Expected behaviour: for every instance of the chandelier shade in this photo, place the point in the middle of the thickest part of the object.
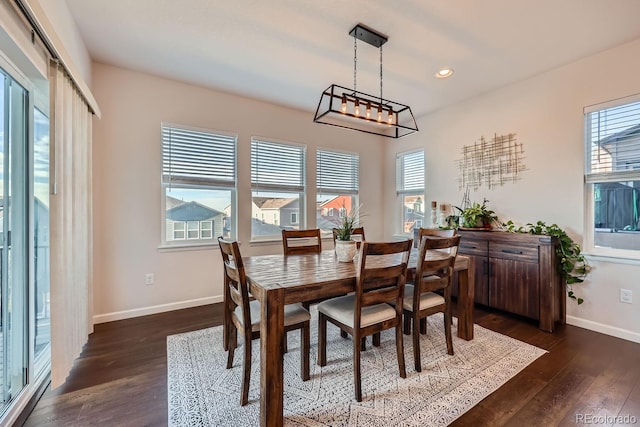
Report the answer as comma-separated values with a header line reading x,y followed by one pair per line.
x,y
350,109
347,108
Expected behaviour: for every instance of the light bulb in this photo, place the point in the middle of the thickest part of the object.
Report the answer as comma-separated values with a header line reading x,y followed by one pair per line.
x,y
357,109
390,117
344,104
380,113
368,110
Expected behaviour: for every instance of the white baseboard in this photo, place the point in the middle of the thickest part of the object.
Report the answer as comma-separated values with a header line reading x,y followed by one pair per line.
x,y
625,334
126,314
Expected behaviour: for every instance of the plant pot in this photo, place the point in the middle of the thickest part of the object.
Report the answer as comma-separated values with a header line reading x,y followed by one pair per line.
x,y
346,250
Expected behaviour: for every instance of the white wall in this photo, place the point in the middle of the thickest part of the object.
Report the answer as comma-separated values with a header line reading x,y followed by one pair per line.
x,y
546,113
127,190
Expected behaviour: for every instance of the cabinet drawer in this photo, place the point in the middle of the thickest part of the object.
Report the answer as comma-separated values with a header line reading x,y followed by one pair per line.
x,y
514,252
473,247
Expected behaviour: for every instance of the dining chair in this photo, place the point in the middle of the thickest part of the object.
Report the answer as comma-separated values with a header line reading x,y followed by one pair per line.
x,y
301,241
244,315
436,232
434,271
380,280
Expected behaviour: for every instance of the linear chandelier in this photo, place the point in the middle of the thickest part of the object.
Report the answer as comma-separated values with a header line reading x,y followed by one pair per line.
x,y
350,109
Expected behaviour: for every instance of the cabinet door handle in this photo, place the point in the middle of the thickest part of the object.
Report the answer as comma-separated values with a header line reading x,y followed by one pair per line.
x,y
490,265
485,268
512,251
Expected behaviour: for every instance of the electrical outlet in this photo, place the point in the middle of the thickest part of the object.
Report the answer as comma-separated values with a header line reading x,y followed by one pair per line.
x,y
148,279
626,296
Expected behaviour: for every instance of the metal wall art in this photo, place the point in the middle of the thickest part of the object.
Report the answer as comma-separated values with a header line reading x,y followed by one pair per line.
x,y
491,162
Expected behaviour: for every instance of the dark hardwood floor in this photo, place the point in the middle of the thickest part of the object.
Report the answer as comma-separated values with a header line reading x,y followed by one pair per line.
x,y
120,378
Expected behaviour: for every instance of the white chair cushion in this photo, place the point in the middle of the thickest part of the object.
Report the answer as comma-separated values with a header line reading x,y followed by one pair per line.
x,y
427,299
293,313
342,308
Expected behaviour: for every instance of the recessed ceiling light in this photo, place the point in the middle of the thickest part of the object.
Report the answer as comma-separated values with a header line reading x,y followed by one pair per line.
x,y
444,73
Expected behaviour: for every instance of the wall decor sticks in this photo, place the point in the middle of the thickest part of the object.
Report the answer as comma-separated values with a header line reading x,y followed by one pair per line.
x,y
491,162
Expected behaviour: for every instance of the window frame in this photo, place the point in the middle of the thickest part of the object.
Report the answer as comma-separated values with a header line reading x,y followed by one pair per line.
x,y
219,182
415,187
263,180
337,175
593,178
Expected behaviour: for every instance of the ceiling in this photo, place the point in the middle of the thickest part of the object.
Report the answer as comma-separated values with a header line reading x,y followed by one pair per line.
x,y
288,51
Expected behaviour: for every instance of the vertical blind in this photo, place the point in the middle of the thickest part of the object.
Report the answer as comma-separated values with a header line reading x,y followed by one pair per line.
x,y
198,157
337,172
277,166
410,172
613,143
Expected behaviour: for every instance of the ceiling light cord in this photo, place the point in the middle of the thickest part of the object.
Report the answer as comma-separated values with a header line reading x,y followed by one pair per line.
x,y
355,61
381,74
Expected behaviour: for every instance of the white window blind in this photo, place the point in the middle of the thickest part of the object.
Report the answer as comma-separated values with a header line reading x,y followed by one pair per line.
x,y
277,166
337,172
613,144
410,172
198,157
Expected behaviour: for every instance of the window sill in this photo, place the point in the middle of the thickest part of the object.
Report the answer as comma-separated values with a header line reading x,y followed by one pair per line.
x,y
188,247
613,258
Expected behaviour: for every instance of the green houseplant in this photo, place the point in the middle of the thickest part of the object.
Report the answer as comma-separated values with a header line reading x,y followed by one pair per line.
x,y
345,247
572,264
477,216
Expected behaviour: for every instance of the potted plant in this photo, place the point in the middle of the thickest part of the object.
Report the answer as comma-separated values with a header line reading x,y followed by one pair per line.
x,y
477,216
573,266
346,248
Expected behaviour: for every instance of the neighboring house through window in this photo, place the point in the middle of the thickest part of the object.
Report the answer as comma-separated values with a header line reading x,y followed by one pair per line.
x,y
198,184
277,187
337,187
410,189
612,178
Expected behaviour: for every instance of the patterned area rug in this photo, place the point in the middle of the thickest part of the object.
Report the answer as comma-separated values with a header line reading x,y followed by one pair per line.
x,y
203,393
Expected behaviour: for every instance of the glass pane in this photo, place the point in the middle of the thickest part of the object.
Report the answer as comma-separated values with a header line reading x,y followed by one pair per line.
x,y
193,206
412,212
330,208
272,212
41,232
616,215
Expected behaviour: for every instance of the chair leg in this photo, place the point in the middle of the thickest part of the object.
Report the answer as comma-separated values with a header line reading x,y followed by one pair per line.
x,y
356,367
423,326
400,349
343,334
363,344
305,340
246,374
447,329
285,347
416,345
407,323
232,343
376,339
306,305
322,339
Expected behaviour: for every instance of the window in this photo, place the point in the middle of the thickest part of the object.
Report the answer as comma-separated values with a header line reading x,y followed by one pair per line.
x,y
612,178
410,189
294,217
198,184
337,186
277,187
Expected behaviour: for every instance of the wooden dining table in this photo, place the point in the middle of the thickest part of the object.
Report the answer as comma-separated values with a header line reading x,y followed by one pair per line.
x,y
277,280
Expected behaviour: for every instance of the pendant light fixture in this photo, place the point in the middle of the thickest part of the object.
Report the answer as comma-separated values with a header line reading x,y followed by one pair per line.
x,y
350,109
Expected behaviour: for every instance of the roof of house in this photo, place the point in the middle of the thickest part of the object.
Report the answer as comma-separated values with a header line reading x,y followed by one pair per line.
x,y
272,202
623,135
192,211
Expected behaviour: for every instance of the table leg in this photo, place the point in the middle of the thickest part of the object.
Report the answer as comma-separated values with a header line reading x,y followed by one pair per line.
x,y
271,364
466,295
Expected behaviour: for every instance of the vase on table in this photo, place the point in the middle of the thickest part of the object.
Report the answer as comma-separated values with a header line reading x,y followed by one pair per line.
x,y
346,250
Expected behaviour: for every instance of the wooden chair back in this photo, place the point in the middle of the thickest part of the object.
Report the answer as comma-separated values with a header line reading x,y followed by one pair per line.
x,y
301,241
436,259
381,274
236,291
434,232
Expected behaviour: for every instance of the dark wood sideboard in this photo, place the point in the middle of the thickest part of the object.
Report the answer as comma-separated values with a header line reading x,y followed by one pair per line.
x,y
518,273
